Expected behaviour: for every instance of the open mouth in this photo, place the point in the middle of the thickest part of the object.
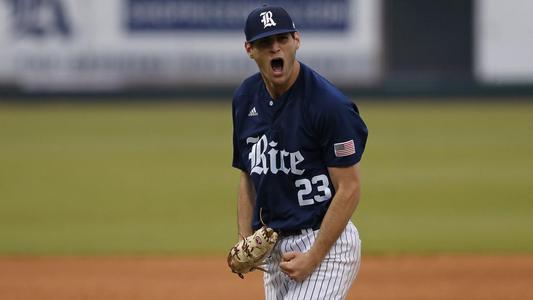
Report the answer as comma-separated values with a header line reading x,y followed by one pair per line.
x,y
277,66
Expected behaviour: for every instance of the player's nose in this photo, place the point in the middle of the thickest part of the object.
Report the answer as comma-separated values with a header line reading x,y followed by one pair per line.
x,y
275,46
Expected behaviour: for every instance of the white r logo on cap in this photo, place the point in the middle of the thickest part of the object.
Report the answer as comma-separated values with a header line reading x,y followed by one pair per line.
x,y
267,19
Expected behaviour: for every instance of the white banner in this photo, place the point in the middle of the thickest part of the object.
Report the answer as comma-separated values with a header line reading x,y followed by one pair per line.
x,y
115,44
504,41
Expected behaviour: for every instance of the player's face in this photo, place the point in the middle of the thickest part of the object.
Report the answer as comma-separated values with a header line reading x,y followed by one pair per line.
x,y
276,58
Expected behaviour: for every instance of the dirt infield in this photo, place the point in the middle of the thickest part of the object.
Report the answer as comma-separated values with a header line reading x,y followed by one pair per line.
x,y
404,277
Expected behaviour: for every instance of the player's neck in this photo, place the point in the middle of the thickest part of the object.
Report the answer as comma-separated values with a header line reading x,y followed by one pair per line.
x,y
276,90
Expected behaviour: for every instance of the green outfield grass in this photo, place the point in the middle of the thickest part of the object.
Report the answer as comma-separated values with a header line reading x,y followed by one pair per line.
x,y
157,179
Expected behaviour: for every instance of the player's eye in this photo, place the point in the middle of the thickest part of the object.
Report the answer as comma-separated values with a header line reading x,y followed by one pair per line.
x,y
263,43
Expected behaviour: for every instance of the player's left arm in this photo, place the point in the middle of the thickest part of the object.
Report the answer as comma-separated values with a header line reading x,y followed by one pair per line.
x,y
346,181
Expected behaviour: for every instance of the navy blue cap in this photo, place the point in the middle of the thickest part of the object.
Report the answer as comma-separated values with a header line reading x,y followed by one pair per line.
x,y
266,21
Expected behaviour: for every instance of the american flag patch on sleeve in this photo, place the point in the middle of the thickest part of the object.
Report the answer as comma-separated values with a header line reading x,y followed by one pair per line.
x,y
344,149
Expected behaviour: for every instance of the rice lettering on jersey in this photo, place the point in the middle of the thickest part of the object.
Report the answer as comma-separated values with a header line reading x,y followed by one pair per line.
x,y
262,161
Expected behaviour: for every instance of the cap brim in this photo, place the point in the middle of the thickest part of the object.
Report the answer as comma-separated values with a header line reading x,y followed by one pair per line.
x,y
269,33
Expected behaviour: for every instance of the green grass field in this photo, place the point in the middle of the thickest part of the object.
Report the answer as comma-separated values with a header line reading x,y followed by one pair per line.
x,y
157,179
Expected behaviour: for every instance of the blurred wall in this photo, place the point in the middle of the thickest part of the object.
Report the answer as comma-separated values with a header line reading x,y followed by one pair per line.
x,y
120,44
428,41
153,45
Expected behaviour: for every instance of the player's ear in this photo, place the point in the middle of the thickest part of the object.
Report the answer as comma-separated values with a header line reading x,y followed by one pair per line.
x,y
296,36
248,48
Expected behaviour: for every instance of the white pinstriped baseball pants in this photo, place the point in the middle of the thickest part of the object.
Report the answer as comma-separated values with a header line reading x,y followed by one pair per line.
x,y
331,279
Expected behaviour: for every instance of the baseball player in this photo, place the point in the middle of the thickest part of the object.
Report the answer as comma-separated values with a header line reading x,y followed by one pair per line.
x,y
297,141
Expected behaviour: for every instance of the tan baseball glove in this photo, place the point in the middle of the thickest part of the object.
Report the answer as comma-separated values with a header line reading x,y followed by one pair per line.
x,y
249,253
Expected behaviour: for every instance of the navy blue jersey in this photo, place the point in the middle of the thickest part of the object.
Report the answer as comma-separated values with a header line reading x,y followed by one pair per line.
x,y
287,144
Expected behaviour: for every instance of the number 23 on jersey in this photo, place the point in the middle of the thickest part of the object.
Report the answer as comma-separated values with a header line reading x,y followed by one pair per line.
x,y
306,186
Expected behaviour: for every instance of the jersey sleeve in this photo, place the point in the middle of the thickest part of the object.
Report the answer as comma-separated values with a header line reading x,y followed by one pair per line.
x,y
237,160
342,134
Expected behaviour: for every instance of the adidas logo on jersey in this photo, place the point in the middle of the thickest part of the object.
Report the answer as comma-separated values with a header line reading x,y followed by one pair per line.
x,y
252,112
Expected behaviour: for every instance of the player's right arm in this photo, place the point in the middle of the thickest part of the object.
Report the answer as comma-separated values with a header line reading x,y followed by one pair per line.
x,y
245,205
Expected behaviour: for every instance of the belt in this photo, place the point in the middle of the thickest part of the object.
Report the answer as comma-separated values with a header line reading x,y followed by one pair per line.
x,y
289,232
